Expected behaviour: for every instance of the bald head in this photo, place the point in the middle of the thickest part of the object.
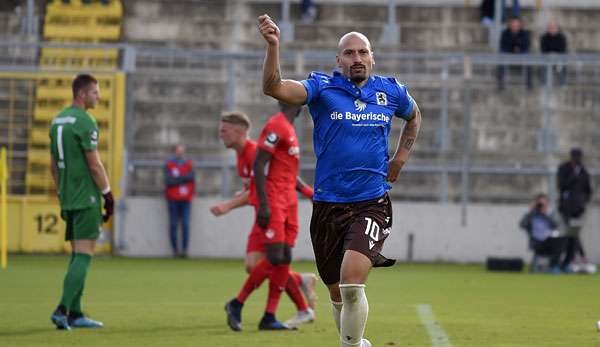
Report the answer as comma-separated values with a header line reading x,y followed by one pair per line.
x,y
353,35
355,57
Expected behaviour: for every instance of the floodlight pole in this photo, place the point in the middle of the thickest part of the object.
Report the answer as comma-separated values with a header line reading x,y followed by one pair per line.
x,y
443,130
30,17
497,27
286,27
466,158
391,31
548,134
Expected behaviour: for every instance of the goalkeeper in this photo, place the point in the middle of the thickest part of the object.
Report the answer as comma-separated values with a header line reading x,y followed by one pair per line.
x,y
80,180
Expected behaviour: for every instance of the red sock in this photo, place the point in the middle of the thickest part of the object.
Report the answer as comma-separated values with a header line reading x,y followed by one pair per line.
x,y
277,282
260,272
292,289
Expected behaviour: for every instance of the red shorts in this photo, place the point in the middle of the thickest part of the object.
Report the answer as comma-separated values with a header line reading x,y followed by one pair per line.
x,y
255,243
282,228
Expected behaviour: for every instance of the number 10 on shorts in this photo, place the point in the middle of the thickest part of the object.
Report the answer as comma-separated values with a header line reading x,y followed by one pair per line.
x,y
372,229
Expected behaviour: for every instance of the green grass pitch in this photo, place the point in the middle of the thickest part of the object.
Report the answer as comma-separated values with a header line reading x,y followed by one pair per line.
x,y
168,302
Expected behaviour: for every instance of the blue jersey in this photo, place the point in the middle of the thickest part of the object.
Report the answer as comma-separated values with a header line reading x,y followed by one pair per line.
x,y
351,128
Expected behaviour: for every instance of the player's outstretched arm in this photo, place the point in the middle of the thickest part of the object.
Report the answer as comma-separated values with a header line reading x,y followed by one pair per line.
x,y
407,140
288,91
263,215
238,200
304,188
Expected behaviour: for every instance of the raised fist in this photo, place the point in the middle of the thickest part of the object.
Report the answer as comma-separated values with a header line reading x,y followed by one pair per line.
x,y
268,29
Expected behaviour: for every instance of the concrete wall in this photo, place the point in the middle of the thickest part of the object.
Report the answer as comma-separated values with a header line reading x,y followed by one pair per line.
x,y
491,231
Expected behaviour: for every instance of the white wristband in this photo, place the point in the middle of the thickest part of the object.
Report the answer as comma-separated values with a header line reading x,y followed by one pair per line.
x,y
106,191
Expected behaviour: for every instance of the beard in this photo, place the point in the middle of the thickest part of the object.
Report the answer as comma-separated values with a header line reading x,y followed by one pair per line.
x,y
358,78
359,75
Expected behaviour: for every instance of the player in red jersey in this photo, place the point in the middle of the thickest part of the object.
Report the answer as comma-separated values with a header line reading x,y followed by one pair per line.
x,y
234,133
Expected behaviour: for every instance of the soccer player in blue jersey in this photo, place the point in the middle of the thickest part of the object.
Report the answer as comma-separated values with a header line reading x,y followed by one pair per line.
x,y
352,111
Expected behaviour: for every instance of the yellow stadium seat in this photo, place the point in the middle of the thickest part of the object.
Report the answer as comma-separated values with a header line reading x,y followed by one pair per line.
x,y
39,136
38,157
46,114
82,57
39,181
80,22
114,8
54,93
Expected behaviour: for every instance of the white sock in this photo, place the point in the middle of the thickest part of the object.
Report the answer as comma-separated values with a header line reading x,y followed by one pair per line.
x,y
355,310
336,308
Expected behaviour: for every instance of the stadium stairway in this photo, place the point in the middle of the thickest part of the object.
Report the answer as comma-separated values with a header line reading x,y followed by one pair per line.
x,y
506,127
68,23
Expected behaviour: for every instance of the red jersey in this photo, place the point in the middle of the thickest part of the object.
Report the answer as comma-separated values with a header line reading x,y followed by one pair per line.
x,y
183,191
245,162
278,137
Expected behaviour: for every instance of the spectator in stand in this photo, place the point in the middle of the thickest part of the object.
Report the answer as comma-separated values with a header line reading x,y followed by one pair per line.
x,y
554,41
179,189
309,11
488,8
514,40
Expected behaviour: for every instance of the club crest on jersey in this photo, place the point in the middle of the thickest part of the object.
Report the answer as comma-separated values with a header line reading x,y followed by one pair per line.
x,y
94,135
360,105
381,98
271,140
270,234
294,151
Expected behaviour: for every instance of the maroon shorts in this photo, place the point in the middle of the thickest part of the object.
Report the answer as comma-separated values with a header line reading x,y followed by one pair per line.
x,y
336,227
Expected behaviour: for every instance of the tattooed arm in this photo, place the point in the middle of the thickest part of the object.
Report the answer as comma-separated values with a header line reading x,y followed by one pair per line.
x,y
288,91
407,140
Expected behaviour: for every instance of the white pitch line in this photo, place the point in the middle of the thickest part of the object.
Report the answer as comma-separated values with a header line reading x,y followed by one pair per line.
x,y
434,329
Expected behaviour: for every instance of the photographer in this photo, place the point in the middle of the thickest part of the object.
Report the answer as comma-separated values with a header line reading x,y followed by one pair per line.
x,y
542,227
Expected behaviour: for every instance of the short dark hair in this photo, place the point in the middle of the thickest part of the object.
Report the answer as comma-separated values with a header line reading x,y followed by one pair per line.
x,y
82,81
541,196
236,118
576,152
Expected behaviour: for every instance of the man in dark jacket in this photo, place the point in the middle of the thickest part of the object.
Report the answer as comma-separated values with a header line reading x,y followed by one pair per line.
x,y
514,40
575,193
554,41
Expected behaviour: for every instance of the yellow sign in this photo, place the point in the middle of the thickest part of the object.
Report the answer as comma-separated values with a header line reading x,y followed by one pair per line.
x,y
35,225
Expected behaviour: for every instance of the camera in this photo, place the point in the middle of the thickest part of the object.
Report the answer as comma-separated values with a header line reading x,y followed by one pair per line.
x,y
539,206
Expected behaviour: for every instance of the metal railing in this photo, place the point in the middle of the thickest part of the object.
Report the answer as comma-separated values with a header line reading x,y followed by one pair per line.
x,y
454,87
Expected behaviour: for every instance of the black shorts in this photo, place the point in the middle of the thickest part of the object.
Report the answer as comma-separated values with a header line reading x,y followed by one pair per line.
x,y
336,227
